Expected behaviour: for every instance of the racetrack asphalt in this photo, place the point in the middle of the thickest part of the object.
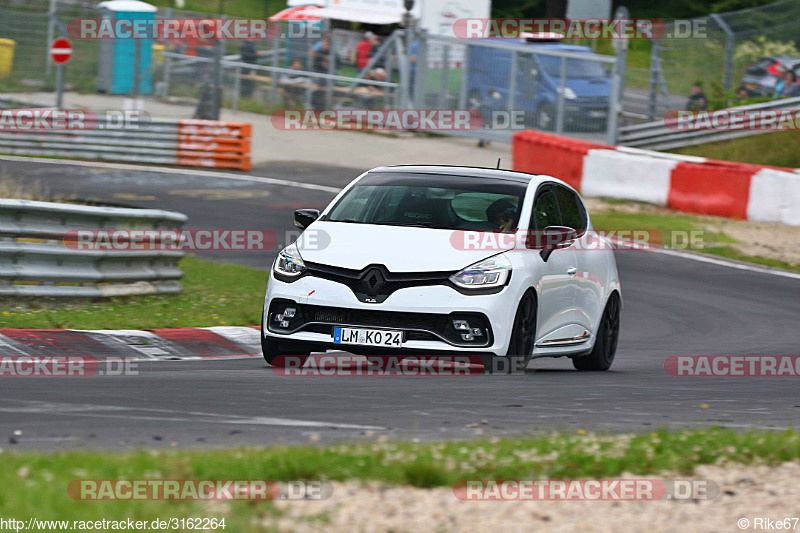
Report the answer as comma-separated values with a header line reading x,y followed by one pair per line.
x,y
672,306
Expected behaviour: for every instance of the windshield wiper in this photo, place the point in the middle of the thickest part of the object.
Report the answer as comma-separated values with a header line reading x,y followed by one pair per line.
x,y
348,220
415,225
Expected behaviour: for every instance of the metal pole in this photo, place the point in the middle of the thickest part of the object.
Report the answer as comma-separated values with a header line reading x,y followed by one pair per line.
x,y
136,61
217,79
422,69
729,43
51,30
276,46
612,121
445,73
59,86
562,87
236,88
512,86
167,70
331,70
653,89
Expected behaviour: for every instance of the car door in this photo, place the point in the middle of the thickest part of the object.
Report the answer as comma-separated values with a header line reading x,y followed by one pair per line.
x,y
590,262
555,272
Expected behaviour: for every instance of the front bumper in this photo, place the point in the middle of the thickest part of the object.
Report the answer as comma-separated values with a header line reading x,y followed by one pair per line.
x,y
424,314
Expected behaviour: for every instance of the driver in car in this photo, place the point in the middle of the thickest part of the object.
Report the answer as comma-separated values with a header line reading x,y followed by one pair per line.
x,y
502,213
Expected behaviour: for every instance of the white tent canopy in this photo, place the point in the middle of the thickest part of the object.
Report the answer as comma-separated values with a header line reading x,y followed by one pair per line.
x,y
365,11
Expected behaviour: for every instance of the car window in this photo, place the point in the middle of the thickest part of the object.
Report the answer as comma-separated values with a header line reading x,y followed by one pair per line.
x,y
545,210
440,202
473,206
572,209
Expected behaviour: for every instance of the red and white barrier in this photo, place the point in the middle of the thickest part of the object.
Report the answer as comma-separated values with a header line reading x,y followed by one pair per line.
x,y
685,183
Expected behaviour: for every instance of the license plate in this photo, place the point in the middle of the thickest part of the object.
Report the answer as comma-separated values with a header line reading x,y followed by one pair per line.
x,y
368,337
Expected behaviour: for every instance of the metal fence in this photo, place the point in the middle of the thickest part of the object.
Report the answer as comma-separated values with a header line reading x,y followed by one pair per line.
x,y
718,61
519,86
34,261
658,136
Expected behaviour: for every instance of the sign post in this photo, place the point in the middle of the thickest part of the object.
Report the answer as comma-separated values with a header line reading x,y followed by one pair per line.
x,y
60,53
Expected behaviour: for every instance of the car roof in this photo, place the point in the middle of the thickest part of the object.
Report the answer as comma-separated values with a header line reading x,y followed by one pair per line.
x,y
468,172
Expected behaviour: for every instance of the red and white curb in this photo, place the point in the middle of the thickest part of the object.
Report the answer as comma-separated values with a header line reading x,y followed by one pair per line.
x,y
685,183
220,342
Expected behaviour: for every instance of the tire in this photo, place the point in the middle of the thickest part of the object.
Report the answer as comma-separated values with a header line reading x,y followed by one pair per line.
x,y
545,117
605,346
273,353
520,347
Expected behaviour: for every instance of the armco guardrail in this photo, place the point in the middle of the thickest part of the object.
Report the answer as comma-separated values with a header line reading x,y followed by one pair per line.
x,y
200,143
685,183
34,261
658,136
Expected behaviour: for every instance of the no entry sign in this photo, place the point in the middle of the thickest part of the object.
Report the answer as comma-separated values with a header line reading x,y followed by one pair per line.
x,y
61,51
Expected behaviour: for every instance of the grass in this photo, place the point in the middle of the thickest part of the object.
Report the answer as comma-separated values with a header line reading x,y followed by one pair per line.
x,y
674,225
213,295
775,149
40,479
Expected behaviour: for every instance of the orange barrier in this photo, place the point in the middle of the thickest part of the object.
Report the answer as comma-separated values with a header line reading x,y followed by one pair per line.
x,y
213,143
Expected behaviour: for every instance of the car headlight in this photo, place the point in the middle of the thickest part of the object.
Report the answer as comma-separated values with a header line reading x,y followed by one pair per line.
x,y
488,273
569,94
289,263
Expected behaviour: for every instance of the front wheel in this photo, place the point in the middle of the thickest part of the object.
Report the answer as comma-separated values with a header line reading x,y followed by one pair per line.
x,y
275,356
605,346
520,348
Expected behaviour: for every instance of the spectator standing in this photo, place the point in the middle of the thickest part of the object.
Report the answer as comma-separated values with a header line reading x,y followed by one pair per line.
x,y
364,50
697,100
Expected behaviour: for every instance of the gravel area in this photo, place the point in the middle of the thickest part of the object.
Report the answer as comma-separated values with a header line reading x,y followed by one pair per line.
x,y
746,492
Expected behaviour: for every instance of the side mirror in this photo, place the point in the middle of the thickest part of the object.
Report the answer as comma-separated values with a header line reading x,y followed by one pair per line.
x,y
304,217
554,238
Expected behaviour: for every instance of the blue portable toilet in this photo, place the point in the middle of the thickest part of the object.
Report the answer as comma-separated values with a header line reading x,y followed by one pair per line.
x,y
117,61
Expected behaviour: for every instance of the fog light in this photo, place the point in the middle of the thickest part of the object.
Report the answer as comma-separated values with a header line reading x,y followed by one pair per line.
x,y
289,312
467,336
278,318
285,324
461,325
477,332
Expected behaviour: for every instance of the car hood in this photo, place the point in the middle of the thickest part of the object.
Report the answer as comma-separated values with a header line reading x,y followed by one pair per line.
x,y
590,87
399,249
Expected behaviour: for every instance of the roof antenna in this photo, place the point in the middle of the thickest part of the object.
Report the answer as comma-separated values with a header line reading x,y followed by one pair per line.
x,y
498,163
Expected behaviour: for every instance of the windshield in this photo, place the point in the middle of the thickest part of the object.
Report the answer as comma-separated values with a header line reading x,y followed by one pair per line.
x,y
576,68
432,201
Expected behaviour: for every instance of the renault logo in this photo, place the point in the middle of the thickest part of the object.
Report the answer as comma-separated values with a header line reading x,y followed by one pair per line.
x,y
373,281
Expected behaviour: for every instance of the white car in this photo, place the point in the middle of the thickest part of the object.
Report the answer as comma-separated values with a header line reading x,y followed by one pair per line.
x,y
429,260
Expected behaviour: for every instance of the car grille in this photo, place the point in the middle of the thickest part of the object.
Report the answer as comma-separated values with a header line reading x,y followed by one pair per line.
x,y
375,283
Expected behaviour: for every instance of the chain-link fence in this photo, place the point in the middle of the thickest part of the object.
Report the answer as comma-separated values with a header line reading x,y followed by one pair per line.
x,y
720,52
567,89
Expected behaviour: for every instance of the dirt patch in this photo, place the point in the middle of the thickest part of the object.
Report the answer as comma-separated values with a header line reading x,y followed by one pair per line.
x,y
746,492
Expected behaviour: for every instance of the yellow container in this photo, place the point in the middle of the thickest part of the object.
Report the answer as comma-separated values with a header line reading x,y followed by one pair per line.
x,y
157,49
6,56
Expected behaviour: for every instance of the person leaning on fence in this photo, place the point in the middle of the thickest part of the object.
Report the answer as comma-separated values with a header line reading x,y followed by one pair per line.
x,y
294,86
248,54
697,100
